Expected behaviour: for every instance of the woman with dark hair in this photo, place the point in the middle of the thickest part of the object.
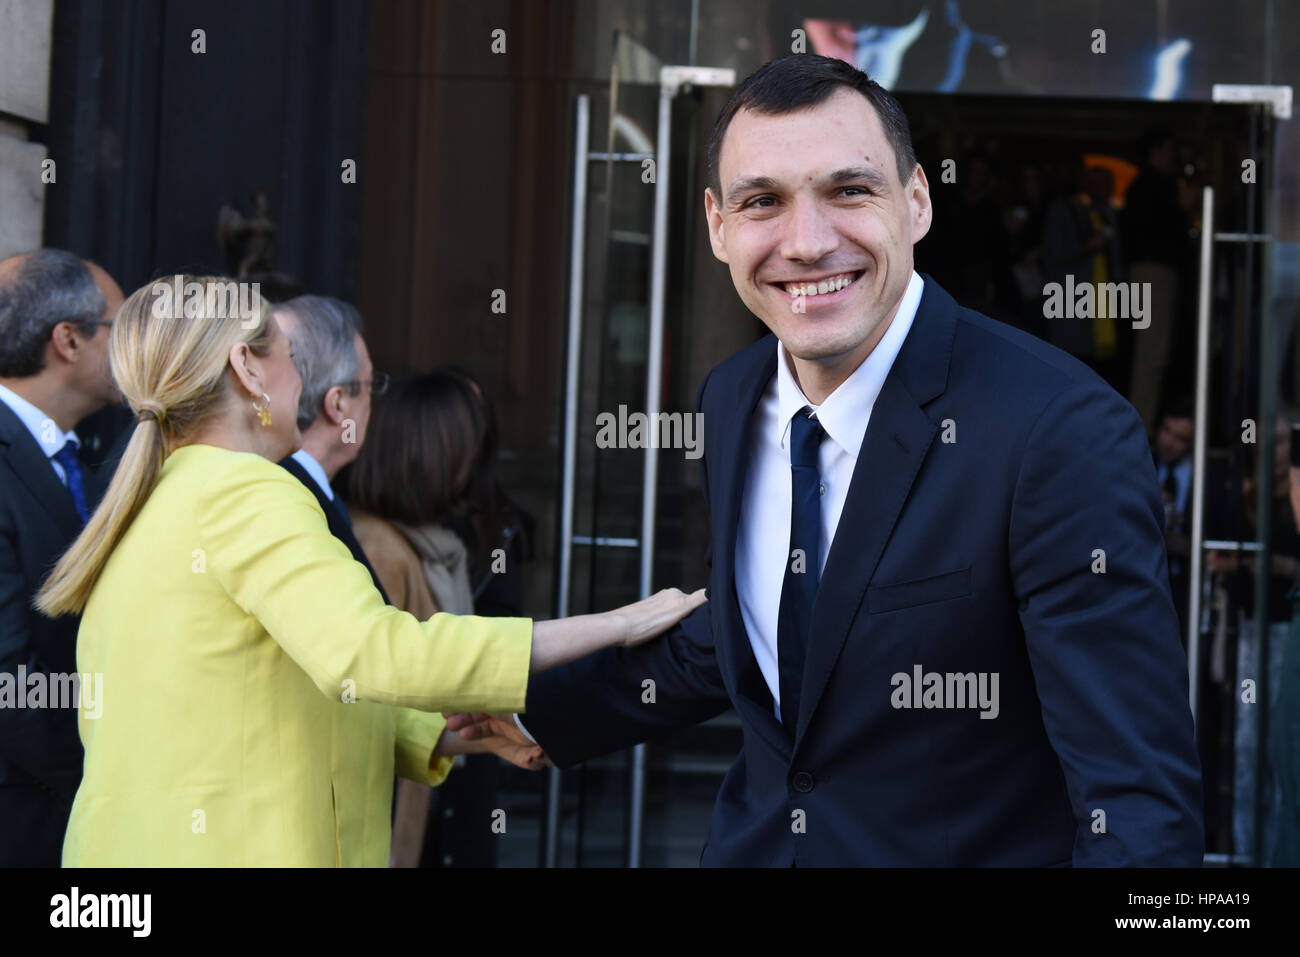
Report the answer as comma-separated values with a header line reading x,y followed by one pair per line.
x,y
428,513
498,533
411,474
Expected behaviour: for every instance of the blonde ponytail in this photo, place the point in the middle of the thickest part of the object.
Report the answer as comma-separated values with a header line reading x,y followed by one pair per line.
x,y
169,358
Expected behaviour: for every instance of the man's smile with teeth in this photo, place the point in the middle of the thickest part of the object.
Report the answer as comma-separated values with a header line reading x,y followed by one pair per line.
x,y
821,286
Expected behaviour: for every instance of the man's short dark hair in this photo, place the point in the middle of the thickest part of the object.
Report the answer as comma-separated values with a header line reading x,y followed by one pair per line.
x,y
803,80
48,287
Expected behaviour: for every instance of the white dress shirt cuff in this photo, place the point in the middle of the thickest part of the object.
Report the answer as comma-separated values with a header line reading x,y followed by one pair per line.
x,y
520,724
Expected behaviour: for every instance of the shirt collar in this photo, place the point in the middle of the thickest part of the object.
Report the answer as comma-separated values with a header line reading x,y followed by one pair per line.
x,y
41,426
844,413
314,469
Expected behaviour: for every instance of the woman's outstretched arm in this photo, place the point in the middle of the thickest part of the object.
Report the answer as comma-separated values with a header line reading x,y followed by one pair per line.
x,y
562,640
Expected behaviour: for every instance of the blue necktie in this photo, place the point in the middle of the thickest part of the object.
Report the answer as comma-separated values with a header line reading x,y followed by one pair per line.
x,y
67,457
801,573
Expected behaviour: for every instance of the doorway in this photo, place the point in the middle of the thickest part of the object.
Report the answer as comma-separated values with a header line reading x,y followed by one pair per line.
x,y
654,808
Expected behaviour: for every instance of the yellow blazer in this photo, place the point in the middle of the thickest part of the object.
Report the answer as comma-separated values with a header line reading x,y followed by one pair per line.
x,y
364,842
228,626
374,742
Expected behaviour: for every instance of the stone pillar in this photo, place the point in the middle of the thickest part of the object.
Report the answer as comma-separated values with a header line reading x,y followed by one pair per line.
x,y
25,41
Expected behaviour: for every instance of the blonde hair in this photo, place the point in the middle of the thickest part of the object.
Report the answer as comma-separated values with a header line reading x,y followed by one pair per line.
x,y
169,356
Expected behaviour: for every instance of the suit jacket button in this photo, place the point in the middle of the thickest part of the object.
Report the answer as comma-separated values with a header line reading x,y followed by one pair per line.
x,y
802,781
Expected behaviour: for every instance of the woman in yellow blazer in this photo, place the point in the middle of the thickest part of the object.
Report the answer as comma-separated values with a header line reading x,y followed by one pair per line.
x,y
227,621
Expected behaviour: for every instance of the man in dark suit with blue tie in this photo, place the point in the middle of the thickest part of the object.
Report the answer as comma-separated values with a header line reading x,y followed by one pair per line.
x,y
55,314
939,600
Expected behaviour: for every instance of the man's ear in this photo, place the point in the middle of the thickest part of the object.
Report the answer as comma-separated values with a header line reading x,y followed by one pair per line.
x,y
333,404
67,341
713,214
920,212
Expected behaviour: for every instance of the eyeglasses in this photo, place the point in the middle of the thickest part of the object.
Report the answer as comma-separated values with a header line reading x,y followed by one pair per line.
x,y
378,384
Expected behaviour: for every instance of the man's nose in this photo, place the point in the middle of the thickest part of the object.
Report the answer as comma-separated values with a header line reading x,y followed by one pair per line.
x,y
809,235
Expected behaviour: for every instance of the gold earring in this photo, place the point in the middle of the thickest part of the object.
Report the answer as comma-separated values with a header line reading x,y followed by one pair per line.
x,y
263,411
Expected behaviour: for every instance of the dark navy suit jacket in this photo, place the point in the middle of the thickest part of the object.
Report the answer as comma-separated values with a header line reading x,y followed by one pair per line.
x,y
339,525
40,748
1003,517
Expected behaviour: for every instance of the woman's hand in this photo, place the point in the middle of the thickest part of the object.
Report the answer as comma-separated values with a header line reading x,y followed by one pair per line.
x,y
499,735
522,755
651,617
563,640
501,738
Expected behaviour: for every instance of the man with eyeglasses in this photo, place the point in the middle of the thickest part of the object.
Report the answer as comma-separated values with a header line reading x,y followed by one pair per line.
x,y
55,314
338,381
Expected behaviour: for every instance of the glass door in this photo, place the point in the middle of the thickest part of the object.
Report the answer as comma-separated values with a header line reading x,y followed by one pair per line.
x,y
1244,560
633,516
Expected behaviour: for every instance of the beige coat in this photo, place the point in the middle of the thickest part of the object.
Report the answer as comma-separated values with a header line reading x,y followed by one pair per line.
x,y
424,570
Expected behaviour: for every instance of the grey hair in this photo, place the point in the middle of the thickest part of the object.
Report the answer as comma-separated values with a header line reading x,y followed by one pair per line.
x,y
324,350
48,287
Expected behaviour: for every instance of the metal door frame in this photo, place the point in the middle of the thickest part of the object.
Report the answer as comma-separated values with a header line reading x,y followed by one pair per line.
x,y
1278,101
672,81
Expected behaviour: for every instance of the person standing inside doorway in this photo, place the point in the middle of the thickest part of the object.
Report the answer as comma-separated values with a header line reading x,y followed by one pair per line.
x,y
1155,239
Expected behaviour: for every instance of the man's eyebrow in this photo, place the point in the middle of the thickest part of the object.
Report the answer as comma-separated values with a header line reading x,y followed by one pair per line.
x,y
748,184
870,174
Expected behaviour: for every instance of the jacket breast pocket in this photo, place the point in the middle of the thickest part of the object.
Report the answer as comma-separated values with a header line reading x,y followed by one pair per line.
x,y
922,591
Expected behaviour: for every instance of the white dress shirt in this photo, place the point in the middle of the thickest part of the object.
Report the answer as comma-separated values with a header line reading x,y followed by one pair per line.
x,y
763,537
314,469
42,428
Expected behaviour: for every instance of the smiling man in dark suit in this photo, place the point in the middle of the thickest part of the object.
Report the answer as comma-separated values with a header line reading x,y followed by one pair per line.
x,y
939,600
55,314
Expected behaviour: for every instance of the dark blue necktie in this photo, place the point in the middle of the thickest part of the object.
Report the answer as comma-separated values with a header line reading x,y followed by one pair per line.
x,y
800,587
67,457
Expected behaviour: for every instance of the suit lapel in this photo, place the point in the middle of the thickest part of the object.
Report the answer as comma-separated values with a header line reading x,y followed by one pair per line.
x,y
898,437
734,451
28,462
339,526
